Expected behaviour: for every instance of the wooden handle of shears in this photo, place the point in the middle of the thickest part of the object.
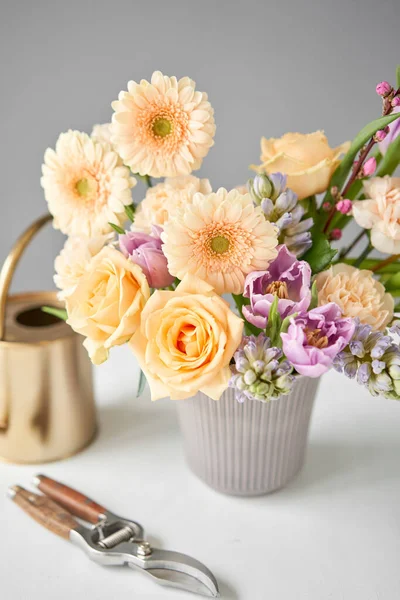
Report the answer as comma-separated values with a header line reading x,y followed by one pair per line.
x,y
74,501
45,511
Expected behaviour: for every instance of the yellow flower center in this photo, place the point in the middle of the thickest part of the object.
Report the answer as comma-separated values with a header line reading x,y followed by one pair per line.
x,y
314,338
162,127
220,244
278,288
85,187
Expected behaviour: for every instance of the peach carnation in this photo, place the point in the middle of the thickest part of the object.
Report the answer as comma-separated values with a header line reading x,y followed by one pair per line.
x,y
220,238
86,185
357,294
164,199
380,212
163,128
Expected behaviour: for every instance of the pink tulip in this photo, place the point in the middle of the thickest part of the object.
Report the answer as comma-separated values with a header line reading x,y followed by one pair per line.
x,y
315,338
145,251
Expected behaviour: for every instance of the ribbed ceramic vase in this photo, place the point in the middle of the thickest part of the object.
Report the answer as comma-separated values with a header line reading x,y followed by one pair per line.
x,y
247,449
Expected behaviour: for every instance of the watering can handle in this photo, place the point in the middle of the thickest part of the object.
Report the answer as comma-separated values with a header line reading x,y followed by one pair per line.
x,y
11,262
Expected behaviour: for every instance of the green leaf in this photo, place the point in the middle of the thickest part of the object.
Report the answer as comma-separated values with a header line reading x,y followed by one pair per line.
x,y
398,76
274,323
340,175
393,283
284,327
117,228
130,212
314,296
141,384
60,313
240,301
391,159
320,255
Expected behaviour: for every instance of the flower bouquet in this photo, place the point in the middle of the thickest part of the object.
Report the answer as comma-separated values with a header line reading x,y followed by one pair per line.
x,y
295,305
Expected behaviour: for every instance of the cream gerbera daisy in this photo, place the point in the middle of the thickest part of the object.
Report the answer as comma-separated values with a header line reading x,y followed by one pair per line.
x,y
220,238
86,185
164,199
101,133
163,128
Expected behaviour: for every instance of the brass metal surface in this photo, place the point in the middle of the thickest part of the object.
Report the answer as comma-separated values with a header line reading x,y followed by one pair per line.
x,y
47,409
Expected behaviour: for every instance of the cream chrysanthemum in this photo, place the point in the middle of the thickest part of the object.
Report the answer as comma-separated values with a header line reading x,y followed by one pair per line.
x,y
164,199
220,238
86,185
163,128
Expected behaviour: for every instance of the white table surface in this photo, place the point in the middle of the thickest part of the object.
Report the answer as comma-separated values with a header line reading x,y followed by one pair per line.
x,y
332,534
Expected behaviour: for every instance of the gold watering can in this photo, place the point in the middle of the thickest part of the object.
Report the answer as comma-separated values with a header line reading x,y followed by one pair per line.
x,y
47,409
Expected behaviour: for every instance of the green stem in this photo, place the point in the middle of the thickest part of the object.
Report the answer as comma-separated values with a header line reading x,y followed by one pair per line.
x,y
145,178
370,263
384,263
354,243
60,313
363,255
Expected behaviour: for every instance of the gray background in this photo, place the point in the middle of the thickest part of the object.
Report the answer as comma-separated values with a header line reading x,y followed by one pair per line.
x,y
268,67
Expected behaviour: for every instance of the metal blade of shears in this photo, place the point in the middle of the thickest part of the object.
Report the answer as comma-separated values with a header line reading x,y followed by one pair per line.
x,y
180,571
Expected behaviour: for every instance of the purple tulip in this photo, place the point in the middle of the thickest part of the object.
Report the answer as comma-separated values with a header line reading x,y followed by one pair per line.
x,y
315,338
145,251
394,131
287,278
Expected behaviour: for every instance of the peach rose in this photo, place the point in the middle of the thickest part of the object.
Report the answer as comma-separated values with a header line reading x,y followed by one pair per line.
x,y
186,341
74,259
357,294
380,212
107,302
306,159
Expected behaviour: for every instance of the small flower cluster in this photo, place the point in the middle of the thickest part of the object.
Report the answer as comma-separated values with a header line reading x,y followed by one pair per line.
x,y
373,358
260,372
281,206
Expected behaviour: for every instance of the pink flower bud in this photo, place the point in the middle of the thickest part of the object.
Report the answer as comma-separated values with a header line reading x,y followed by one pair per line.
x,y
344,206
383,88
380,135
369,167
335,234
334,190
326,206
396,101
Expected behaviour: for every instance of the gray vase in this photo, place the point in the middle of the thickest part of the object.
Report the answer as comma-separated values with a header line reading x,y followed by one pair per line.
x,y
247,449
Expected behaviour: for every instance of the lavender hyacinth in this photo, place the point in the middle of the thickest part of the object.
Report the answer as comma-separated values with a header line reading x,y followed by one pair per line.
x,y
281,206
260,372
374,358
